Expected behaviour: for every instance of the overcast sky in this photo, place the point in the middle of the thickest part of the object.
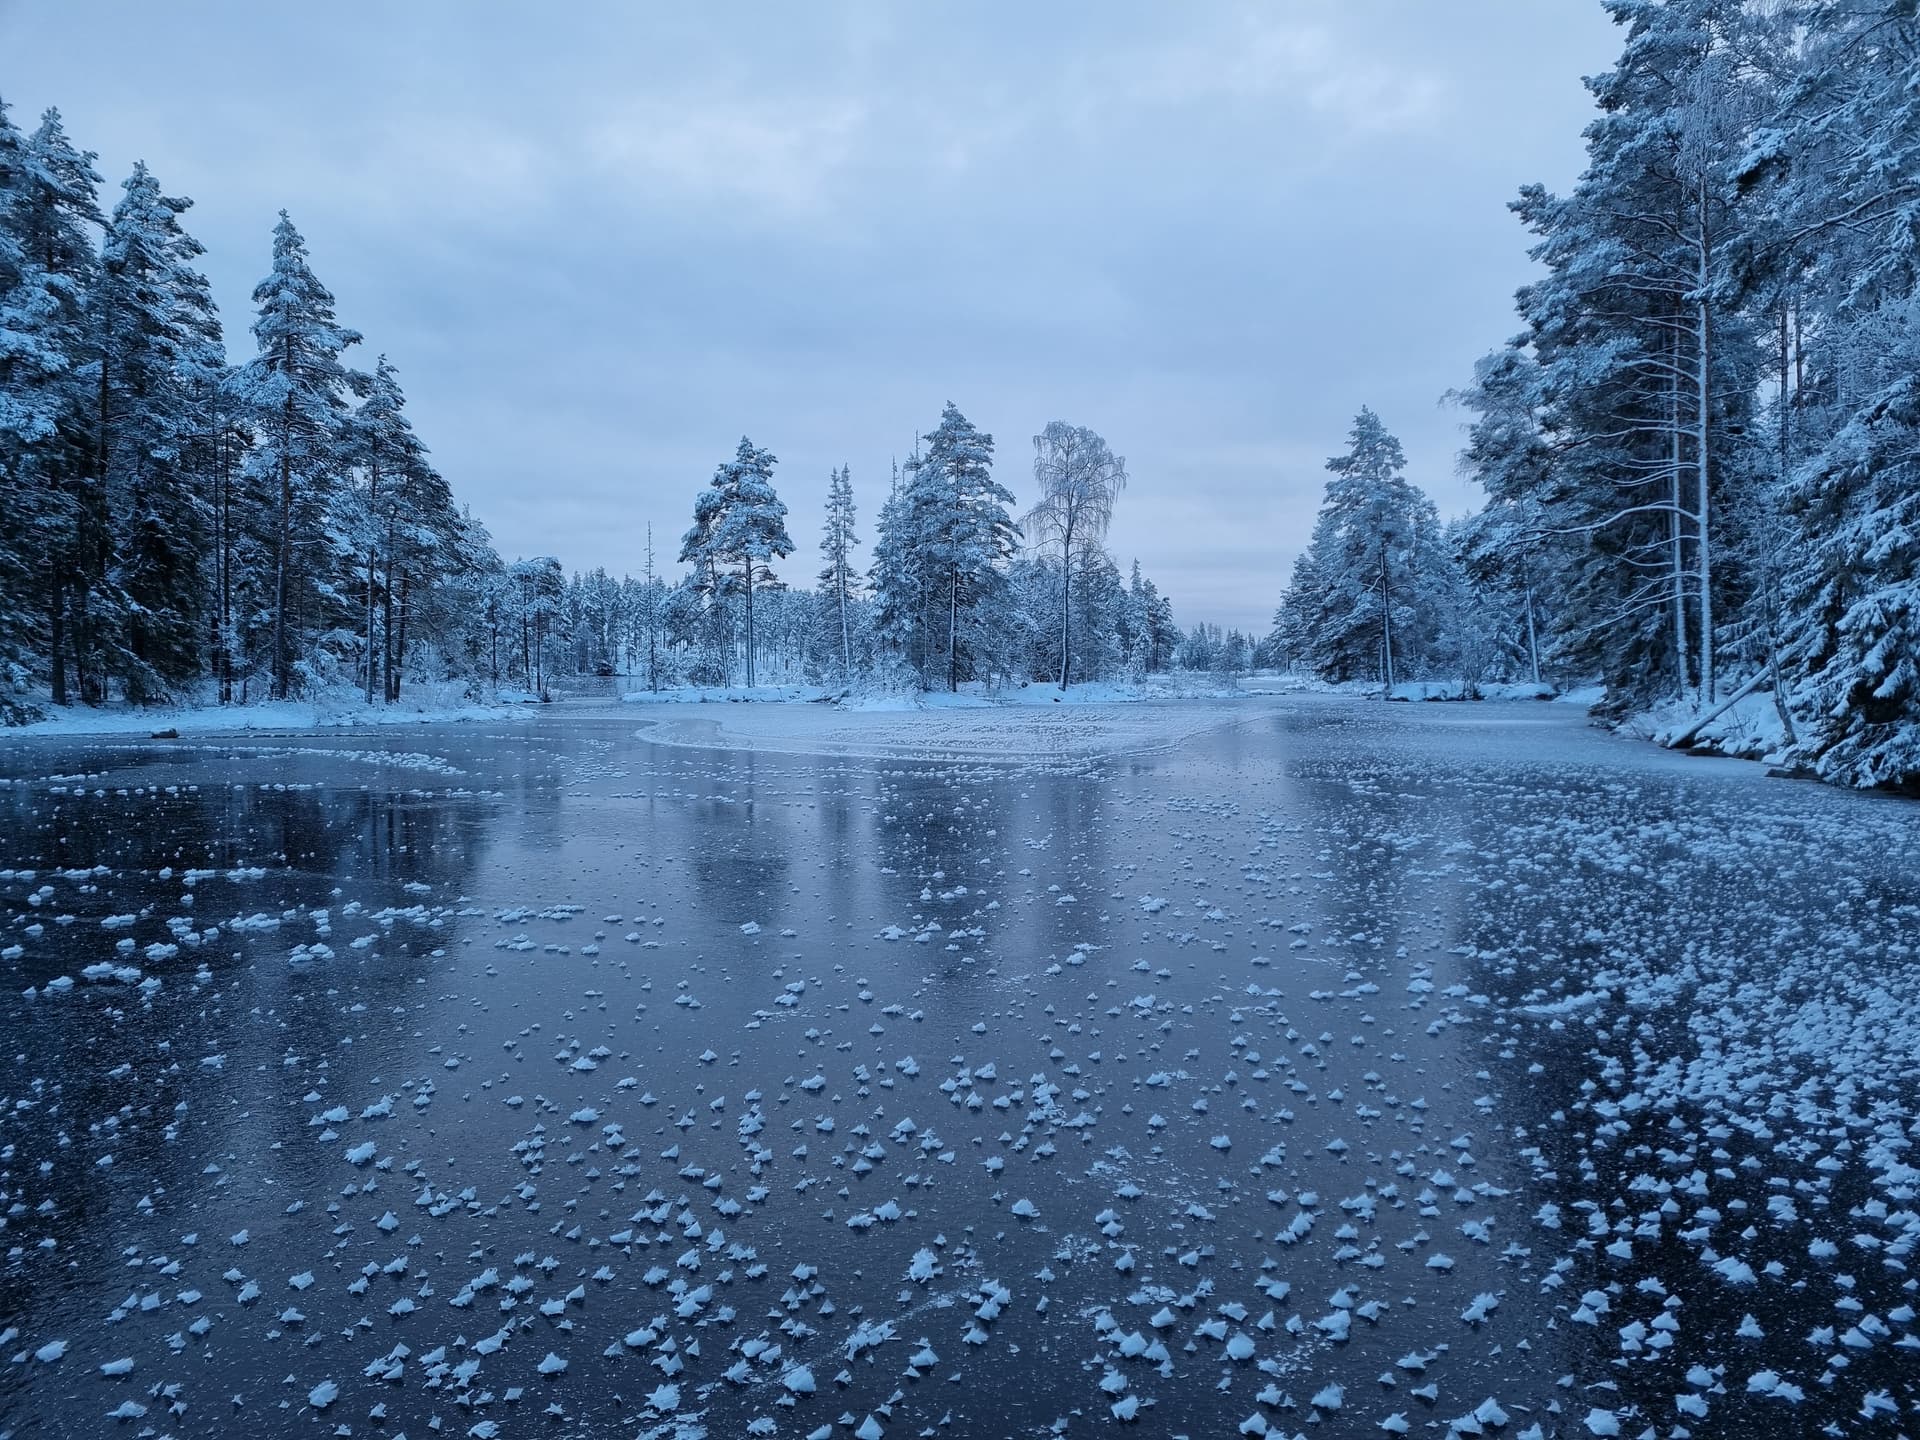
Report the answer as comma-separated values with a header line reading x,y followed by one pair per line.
x,y
601,241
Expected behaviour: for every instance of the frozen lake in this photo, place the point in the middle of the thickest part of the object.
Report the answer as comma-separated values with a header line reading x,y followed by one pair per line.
x,y
1289,1065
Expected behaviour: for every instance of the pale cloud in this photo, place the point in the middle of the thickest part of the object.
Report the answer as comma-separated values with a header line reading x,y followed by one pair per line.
x,y
1269,53
785,152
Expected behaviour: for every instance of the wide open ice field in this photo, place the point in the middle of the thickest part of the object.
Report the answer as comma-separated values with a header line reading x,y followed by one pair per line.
x,y
1293,1064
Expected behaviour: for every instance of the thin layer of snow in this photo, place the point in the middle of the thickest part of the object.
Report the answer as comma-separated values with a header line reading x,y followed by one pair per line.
x,y
1749,730
346,709
964,728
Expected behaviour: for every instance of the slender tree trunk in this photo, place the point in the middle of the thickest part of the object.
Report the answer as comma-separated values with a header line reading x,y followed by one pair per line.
x,y
400,646
1678,555
1386,622
373,493
750,674
226,566
386,625
1704,470
846,634
93,541
953,629
1533,638
1066,605
281,668
57,622
283,558
1782,702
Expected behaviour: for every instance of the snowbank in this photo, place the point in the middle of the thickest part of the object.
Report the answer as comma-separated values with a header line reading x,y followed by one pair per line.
x,y
342,709
1036,726
727,695
1749,730
971,696
1277,683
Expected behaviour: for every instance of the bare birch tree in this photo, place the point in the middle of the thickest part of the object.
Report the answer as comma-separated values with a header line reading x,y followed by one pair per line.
x,y
1079,479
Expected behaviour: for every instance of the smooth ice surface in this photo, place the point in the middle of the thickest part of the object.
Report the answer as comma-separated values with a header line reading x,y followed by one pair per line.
x,y
1290,1064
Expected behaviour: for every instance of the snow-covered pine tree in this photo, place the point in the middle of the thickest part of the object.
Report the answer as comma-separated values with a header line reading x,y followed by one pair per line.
x,y
1360,601
404,533
1839,166
1647,362
739,526
162,363
48,445
31,367
296,391
959,536
837,575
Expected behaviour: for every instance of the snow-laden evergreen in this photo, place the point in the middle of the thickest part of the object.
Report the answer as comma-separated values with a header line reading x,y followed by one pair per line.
x,y
175,527
1699,452
1373,594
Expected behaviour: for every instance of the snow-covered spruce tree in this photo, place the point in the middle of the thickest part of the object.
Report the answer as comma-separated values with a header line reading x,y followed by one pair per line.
x,y
381,445
48,438
752,528
1367,596
24,373
161,368
1098,603
1517,565
646,618
1838,165
1647,361
739,525
1079,479
895,582
296,391
838,579
940,563
404,537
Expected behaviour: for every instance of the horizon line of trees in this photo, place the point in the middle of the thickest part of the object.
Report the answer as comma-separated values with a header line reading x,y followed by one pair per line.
x,y
956,591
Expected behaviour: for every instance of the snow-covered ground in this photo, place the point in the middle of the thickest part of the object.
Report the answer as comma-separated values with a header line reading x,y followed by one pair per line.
x,y
959,728
344,708
1749,730
971,696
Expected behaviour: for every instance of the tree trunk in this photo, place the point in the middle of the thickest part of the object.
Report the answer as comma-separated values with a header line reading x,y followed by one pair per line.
x,y
400,646
1533,638
283,558
1687,736
1674,460
1066,605
226,566
281,668
846,636
386,627
1386,622
1703,423
749,569
953,630
57,624
1781,701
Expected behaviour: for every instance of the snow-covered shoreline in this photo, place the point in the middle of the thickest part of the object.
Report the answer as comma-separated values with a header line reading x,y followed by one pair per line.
x,y
271,715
